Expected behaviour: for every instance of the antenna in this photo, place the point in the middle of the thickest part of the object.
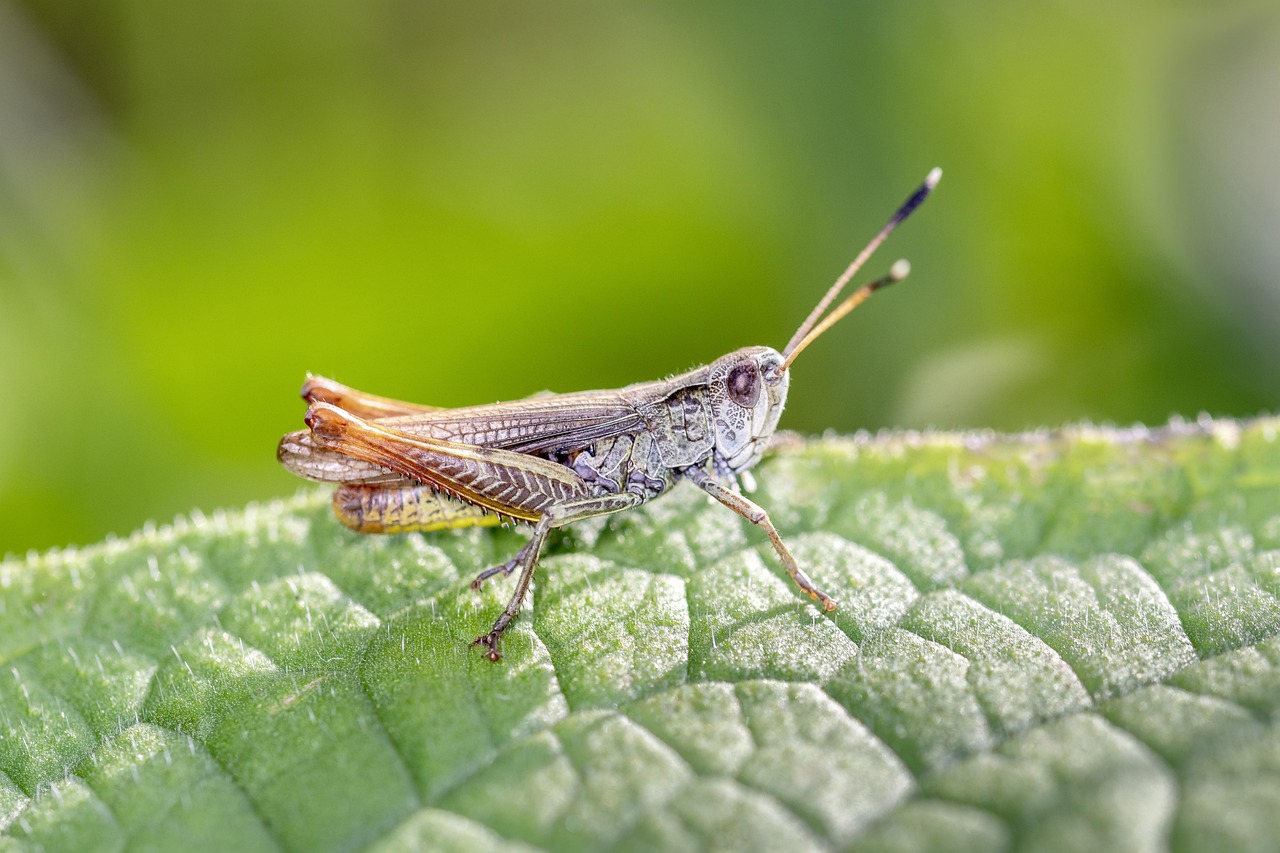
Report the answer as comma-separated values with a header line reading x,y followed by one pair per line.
x,y
808,331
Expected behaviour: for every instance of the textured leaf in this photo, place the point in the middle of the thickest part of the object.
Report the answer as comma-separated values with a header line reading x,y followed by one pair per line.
x,y
1053,641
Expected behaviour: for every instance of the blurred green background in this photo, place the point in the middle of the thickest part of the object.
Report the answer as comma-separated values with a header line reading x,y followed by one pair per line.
x,y
459,203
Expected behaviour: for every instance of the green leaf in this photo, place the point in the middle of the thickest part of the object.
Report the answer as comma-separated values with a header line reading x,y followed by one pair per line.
x,y
1062,640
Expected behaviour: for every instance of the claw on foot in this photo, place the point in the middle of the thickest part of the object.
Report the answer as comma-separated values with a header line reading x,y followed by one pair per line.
x,y
828,603
489,641
506,568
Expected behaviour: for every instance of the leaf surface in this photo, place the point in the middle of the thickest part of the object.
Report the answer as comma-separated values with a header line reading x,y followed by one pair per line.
x,y
1062,640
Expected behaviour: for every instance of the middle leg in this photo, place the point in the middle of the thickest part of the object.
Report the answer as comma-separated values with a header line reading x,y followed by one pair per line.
x,y
558,515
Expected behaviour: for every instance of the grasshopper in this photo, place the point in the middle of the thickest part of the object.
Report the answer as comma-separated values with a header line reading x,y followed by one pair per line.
x,y
554,459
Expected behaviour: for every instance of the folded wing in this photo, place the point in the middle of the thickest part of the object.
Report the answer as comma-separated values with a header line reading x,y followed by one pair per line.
x,y
541,426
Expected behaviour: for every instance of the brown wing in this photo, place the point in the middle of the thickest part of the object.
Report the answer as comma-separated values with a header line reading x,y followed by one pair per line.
x,y
301,455
318,389
538,426
541,425
515,485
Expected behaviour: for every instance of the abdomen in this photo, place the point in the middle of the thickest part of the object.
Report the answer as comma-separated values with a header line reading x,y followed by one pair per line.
x,y
403,509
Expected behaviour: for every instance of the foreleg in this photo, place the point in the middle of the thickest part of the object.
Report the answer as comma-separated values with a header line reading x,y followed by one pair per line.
x,y
753,513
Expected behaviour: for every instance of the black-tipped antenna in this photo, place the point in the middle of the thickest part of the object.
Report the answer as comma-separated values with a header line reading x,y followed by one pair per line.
x,y
808,332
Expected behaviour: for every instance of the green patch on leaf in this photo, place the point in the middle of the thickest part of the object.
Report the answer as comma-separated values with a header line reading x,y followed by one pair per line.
x,y
1052,641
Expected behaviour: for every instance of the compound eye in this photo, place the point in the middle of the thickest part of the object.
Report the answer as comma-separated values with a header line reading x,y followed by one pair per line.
x,y
743,385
